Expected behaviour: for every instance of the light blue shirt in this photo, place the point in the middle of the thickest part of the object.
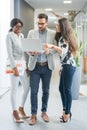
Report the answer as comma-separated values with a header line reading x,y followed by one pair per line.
x,y
42,57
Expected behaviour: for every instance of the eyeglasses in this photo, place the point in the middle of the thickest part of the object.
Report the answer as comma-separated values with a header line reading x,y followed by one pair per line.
x,y
18,26
41,24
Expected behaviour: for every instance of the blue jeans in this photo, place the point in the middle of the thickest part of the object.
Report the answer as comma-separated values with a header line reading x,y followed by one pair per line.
x,y
65,86
43,73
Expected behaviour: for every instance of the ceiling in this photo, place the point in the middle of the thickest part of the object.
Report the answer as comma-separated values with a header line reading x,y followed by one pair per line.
x,y
59,8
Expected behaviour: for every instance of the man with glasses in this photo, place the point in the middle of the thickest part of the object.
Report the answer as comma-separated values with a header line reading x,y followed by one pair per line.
x,y
41,66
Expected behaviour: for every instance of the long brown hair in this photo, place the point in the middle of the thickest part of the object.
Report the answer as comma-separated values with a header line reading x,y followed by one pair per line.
x,y
68,34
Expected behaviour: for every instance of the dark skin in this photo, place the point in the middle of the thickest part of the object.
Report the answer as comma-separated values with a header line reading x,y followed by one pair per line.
x,y
17,29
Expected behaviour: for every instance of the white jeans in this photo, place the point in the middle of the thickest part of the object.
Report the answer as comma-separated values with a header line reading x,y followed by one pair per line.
x,y
24,80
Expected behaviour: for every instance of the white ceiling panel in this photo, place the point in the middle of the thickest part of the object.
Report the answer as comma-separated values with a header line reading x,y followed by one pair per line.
x,y
59,8
57,4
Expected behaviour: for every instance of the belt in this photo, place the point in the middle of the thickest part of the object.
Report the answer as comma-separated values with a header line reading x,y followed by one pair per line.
x,y
42,64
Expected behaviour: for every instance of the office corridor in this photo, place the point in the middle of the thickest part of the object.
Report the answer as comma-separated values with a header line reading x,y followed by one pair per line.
x,y
28,11
79,111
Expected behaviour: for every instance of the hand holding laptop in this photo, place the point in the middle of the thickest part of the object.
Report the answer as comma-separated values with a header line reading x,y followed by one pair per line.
x,y
33,53
46,50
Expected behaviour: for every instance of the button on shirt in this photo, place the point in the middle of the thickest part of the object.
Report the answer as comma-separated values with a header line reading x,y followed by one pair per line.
x,y
42,57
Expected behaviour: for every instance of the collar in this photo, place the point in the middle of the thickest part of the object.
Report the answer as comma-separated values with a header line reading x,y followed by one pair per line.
x,y
41,32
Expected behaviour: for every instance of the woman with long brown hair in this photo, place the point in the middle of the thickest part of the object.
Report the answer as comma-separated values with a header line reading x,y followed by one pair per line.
x,y
67,48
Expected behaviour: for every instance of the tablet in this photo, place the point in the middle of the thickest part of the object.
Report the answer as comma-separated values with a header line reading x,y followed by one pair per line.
x,y
30,45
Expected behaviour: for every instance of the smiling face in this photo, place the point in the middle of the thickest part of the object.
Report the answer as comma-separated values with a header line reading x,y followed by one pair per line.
x,y
42,24
17,28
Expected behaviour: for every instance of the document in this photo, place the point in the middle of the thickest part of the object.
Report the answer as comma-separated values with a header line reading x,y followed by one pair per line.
x,y
21,66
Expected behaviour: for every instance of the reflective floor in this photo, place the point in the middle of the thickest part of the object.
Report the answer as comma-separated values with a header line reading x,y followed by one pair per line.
x,y
79,111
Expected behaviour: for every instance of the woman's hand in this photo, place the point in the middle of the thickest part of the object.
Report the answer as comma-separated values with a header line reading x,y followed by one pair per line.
x,y
15,70
60,72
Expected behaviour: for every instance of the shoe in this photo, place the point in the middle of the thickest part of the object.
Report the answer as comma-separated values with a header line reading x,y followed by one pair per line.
x,y
62,114
45,117
32,120
66,118
16,117
22,113
61,117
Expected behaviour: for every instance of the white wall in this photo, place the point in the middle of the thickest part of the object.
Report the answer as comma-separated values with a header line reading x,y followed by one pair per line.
x,y
6,13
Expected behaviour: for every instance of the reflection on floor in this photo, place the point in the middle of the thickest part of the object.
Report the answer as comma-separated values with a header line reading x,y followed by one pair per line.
x,y
79,112
83,89
3,91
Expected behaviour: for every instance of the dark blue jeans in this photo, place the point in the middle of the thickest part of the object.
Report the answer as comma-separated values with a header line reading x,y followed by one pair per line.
x,y
65,87
43,73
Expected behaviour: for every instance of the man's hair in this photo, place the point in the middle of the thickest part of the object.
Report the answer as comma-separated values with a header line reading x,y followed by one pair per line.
x,y
43,15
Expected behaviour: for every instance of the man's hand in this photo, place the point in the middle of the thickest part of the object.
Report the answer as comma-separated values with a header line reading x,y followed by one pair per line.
x,y
33,53
28,72
47,51
47,48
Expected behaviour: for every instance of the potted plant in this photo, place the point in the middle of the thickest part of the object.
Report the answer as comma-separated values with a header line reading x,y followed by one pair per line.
x,y
80,51
77,76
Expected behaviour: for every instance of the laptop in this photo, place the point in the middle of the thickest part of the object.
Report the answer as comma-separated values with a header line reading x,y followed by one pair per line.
x,y
30,45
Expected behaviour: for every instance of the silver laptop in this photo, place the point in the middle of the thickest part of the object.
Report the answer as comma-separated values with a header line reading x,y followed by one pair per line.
x,y
30,45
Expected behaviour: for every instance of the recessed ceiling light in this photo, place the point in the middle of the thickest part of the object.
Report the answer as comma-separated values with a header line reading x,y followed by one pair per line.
x,y
55,22
48,9
67,1
79,26
66,14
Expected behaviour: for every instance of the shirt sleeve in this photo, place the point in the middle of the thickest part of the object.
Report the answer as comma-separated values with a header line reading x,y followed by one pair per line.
x,y
10,51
